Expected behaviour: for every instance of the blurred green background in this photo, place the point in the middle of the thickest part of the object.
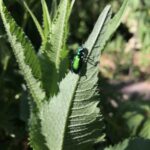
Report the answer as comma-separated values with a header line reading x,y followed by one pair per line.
x,y
124,70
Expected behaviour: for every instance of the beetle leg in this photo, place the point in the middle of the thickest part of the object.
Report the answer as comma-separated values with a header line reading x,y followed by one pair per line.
x,y
91,61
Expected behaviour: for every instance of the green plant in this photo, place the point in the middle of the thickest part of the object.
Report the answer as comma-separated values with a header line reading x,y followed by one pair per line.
x,y
64,112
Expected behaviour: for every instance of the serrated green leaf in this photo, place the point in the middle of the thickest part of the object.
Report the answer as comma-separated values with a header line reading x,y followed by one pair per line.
x,y
25,55
94,40
36,22
53,8
110,27
46,18
36,139
72,120
57,37
55,48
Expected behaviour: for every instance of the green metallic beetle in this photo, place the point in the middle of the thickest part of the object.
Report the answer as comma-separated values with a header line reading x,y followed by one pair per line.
x,y
78,60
